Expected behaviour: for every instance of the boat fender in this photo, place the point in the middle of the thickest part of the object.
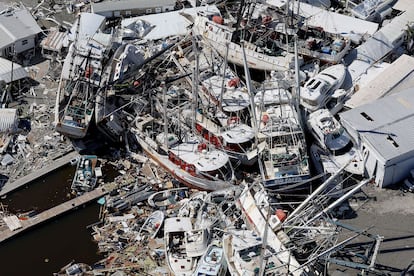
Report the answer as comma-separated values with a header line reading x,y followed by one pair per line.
x,y
233,120
265,119
281,215
233,82
218,19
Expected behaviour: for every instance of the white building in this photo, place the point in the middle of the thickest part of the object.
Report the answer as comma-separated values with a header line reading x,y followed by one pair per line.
x,y
18,31
388,79
384,131
128,8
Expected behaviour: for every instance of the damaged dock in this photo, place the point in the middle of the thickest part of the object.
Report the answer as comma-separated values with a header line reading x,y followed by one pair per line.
x,y
52,213
58,163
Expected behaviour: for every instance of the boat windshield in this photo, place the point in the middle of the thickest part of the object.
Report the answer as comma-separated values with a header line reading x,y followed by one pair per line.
x,y
343,150
249,253
329,75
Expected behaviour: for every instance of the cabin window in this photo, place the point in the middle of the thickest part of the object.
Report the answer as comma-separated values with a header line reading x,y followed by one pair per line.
x,y
149,11
24,42
329,75
157,10
128,13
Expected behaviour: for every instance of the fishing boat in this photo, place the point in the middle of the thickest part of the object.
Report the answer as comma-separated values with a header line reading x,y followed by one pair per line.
x,y
224,89
236,138
74,269
177,259
193,205
85,178
213,262
151,226
162,199
196,241
191,161
334,139
243,251
228,40
83,74
79,110
373,10
255,208
313,42
317,90
285,159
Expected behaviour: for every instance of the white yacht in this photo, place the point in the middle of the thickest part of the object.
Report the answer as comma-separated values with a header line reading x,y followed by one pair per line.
x,y
334,139
317,90
175,247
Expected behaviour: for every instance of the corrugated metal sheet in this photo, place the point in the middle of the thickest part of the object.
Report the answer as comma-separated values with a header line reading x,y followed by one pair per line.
x,y
401,70
403,5
53,41
385,124
121,5
6,68
89,24
8,119
379,45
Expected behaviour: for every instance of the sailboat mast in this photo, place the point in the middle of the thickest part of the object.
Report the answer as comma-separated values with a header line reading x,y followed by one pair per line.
x,y
224,76
164,94
195,84
297,84
239,14
249,89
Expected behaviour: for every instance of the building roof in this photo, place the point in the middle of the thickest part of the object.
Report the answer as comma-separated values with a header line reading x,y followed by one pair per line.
x,y
336,23
380,44
385,124
16,24
54,40
395,77
86,26
403,5
6,68
117,5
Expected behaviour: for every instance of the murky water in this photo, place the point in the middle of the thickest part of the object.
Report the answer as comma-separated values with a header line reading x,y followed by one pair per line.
x,y
48,247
